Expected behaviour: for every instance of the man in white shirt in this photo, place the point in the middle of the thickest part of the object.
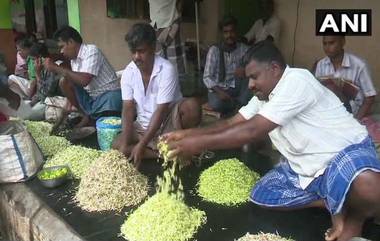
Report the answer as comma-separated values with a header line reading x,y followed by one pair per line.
x,y
340,64
91,85
151,93
166,20
326,152
265,28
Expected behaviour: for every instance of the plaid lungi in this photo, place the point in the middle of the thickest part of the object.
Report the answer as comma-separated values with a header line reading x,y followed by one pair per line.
x,y
281,188
170,47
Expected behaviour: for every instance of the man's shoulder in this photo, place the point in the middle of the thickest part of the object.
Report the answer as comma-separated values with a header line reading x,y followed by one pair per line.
x,y
90,49
297,76
324,60
243,46
356,60
164,64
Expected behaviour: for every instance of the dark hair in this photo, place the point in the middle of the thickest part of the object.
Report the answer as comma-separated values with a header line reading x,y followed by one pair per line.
x,y
140,33
264,52
228,20
25,41
39,50
66,33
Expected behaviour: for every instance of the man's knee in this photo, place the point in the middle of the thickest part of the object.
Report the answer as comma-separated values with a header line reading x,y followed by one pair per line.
x,y
215,102
366,184
364,194
65,85
190,112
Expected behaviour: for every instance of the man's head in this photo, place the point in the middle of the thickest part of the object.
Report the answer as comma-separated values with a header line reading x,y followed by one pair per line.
x,y
333,45
266,8
69,41
141,39
23,46
39,50
264,66
228,26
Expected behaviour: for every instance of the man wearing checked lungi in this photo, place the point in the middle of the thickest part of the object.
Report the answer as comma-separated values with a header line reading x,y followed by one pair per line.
x,y
328,158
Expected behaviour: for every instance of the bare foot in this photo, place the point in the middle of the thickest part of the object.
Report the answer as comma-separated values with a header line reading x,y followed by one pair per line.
x,y
335,231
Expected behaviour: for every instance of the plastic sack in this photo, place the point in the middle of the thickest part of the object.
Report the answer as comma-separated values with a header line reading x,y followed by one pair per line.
x,y
20,157
107,129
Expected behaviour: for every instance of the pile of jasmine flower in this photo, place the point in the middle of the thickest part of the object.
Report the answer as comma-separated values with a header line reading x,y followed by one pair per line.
x,y
263,237
78,158
228,182
164,216
111,183
49,145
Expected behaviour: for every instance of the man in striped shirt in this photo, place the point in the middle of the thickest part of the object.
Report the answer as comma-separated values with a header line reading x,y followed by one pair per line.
x,y
91,85
340,64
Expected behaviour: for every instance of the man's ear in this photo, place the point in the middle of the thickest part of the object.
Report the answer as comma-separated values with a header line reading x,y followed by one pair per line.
x,y
70,41
276,68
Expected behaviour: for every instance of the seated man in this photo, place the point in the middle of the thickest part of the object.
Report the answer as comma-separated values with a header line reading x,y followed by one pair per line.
x,y
24,83
151,92
340,64
267,27
223,75
328,159
47,82
91,85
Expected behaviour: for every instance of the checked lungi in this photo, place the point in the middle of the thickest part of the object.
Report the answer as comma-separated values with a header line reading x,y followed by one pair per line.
x,y
281,188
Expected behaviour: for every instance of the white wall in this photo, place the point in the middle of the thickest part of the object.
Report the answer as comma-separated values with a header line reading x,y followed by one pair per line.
x,y
108,34
309,47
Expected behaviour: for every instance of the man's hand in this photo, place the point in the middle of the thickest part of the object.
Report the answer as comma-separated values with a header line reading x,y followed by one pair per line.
x,y
38,65
137,154
50,65
185,148
174,135
239,73
34,101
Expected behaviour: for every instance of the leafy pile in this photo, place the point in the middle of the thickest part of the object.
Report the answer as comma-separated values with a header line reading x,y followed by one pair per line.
x,y
263,237
38,129
111,183
163,218
53,174
170,182
78,159
112,121
228,182
49,145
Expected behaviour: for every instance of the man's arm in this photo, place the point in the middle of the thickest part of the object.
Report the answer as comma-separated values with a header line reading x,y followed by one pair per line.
x,y
365,109
235,136
127,118
215,128
156,121
79,78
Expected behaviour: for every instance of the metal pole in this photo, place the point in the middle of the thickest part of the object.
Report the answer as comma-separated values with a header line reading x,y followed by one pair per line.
x,y
197,32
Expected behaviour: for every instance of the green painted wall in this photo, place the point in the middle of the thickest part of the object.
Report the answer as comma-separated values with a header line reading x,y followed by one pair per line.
x,y
5,14
73,14
245,11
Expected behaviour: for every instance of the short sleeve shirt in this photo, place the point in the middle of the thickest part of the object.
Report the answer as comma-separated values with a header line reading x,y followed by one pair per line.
x,y
313,124
92,61
353,69
163,88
